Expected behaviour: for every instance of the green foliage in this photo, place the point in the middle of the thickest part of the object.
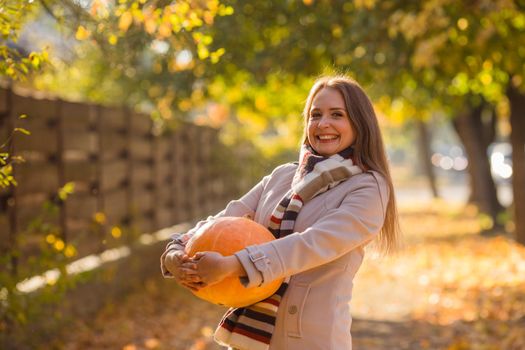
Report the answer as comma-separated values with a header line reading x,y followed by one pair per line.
x,y
150,54
459,53
19,306
7,159
14,64
170,58
268,116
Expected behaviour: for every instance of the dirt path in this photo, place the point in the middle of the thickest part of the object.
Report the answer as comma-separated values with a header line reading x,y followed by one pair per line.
x,y
163,316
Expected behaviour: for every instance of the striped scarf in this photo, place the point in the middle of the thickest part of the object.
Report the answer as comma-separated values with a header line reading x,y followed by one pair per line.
x,y
251,327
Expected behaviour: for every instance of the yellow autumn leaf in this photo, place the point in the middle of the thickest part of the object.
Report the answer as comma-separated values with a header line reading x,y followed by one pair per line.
x,y
125,21
213,5
202,52
116,232
207,39
70,251
185,105
59,245
181,8
23,131
195,21
51,238
35,60
208,17
261,103
113,39
337,31
216,55
164,30
82,33
66,190
99,218
225,10
197,37
150,25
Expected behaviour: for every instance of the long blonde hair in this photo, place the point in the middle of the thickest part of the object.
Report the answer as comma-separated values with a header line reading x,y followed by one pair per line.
x,y
368,147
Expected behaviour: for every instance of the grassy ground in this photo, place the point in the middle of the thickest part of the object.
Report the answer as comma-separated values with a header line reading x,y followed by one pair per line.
x,y
448,288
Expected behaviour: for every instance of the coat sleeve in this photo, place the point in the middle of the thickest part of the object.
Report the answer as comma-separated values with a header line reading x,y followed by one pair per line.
x,y
357,221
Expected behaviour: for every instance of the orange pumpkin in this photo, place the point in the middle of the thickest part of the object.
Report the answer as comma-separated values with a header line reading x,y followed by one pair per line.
x,y
228,235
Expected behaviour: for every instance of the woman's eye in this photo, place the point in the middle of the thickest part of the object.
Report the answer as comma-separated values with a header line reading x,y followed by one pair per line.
x,y
315,116
338,115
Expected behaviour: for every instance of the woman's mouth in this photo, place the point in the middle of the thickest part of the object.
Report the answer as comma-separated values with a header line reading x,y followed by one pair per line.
x,y
326,138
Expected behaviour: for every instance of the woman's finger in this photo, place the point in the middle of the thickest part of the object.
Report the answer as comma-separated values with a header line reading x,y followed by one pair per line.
x,y
198,255
194,286
189,265
185,271
191,278
174,256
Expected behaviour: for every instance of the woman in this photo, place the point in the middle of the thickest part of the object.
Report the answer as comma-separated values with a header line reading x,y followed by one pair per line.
x,y
323,210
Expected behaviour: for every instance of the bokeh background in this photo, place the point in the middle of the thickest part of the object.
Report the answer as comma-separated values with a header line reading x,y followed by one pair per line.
x,y
124,121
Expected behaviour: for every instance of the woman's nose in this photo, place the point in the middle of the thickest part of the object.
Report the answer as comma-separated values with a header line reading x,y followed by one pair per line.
x,y
323,122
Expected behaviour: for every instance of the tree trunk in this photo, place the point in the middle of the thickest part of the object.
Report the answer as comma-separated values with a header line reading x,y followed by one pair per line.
x,y
425,153
473,133
517,139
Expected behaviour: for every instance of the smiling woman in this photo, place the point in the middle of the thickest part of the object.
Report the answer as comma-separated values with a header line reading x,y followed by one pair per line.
x,y
328,125
322,211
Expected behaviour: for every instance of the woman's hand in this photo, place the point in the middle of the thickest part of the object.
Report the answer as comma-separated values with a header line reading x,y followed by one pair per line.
x,y
171,266
212,267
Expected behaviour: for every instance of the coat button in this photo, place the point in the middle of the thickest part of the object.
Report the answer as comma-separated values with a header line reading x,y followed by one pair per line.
x,y
292,309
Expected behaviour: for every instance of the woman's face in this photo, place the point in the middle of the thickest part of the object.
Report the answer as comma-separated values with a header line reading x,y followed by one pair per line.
x,y
329,128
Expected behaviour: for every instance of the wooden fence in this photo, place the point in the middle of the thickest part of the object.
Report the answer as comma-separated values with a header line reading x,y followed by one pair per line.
x,y
126,179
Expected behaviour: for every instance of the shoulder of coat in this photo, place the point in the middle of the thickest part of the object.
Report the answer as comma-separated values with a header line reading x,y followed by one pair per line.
x,y
285,168
376,182
369,178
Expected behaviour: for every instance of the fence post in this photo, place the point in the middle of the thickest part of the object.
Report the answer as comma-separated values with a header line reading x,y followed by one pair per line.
x,y
100,185
217,181
176,178
206,184
60,168
154,182
184,169
194,175
12,209
129,178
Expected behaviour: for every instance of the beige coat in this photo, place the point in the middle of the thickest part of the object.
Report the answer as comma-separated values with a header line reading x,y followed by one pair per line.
x,y
322,256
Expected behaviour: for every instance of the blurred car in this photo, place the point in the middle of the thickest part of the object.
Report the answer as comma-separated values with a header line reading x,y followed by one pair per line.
x,y
450,158
500,155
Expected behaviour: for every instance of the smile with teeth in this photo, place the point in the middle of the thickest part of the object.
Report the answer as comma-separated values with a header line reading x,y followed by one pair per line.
x,y
327,137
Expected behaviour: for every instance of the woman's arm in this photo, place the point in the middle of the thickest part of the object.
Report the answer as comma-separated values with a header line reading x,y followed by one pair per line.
x,y
355,222
211,267
172,265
